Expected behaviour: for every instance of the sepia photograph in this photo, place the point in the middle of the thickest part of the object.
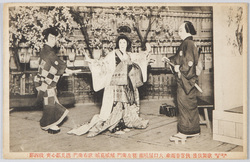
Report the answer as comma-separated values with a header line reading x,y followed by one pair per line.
x,y
125,80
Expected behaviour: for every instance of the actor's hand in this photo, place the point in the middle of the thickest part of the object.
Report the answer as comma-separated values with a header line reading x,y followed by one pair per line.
x,y
128,62
177,68
165,59
179,74
68,71
87,57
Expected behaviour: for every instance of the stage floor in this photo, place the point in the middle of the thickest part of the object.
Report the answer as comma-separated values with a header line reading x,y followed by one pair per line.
x,y
27,136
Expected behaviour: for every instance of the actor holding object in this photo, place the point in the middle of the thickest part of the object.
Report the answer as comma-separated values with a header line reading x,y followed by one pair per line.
x,y
185,63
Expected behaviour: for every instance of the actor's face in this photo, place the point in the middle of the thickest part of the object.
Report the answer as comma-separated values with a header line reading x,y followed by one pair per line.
x,y
182,31
51,40
122,44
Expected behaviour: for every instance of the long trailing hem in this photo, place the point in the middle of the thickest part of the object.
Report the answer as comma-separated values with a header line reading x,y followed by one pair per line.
x,y
97,126
58,121
85,127
118,95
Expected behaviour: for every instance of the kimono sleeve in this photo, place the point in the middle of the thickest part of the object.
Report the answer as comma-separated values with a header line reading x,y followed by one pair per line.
x,y
190,60
102,71
61,67
141,60
57,65
173,59
188,66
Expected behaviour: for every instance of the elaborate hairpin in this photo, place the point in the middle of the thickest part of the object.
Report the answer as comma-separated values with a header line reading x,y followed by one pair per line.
x,y
124,29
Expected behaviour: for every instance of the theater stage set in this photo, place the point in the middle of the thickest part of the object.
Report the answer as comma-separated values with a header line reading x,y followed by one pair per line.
x,y
220,109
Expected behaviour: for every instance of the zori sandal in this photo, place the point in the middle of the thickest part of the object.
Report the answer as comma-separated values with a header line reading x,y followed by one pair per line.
x,y
193,135
177,139
54,130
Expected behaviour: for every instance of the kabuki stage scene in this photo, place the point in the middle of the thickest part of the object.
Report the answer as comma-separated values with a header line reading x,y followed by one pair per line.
x,y
125,81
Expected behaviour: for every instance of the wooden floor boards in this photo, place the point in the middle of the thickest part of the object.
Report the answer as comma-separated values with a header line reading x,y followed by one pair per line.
x,y
26,135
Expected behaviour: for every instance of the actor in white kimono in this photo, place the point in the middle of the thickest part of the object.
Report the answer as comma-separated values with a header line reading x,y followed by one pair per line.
x,y
120,73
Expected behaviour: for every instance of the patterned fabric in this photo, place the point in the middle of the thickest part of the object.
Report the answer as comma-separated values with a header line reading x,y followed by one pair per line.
x,y
46,76
121,78
131,117
50,96
121,111
119,93
103,70
135,75
49,71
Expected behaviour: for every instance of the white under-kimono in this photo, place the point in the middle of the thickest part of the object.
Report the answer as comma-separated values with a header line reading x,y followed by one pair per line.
x,y
120,75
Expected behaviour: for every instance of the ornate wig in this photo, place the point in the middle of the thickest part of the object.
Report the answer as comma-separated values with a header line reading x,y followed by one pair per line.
x,y
52,30
190,28
124,30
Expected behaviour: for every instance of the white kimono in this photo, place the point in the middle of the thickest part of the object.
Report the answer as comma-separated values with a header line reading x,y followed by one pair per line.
x,y
120,100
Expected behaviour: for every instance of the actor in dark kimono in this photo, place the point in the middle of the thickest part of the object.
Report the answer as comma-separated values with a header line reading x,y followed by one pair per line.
x,y
185,61
49,71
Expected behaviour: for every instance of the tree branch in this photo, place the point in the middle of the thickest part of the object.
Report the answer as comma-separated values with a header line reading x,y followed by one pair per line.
x,y
80,20
149,26
136,27
15,53
16,58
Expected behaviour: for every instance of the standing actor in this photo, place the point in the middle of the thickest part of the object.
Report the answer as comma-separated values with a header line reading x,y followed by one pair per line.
x,y
185,62
50,69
